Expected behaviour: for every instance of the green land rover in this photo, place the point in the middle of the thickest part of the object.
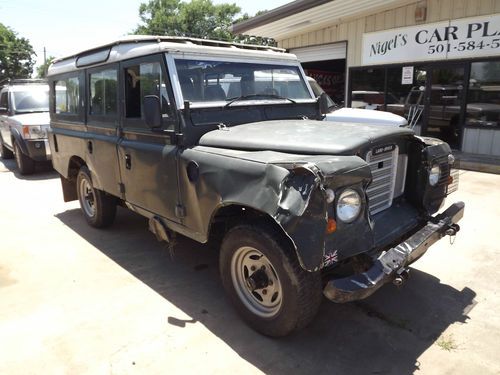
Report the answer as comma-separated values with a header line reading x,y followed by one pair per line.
x,y
224,142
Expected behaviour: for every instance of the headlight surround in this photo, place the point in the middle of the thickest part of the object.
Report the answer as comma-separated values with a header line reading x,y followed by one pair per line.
x,y
33,132
434,174
348,205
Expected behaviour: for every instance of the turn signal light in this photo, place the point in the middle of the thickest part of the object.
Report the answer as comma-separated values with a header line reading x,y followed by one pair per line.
x,y
450,180
331,226
26,131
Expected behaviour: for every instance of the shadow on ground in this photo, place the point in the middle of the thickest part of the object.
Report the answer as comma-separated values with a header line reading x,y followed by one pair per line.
x,y
43,170
384,334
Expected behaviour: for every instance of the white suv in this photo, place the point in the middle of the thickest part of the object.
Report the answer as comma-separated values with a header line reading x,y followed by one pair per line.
x,y
24,120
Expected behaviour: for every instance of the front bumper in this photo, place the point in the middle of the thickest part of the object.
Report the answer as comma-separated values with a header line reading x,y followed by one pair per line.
x,y
392,263
38,149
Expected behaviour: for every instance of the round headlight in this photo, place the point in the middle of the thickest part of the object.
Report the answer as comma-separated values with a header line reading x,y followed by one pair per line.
x,y
434,175
348,205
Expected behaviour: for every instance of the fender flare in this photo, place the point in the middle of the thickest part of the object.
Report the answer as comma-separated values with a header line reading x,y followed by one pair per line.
x,y
19,140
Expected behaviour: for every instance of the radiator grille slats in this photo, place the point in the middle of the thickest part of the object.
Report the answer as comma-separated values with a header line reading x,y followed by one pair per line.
x,y
381,190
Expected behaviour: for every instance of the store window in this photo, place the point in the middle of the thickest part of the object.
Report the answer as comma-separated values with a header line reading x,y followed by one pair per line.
x,y
483,99
405,94
367,90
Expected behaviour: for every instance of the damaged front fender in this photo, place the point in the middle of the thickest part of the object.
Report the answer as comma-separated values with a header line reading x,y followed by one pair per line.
x,y
290,189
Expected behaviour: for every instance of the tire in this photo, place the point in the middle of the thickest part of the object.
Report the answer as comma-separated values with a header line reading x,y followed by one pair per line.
x,y
25,164
98,207
5,153
277,299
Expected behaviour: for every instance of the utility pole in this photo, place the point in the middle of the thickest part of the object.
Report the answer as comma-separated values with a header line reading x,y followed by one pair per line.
x,y
45,61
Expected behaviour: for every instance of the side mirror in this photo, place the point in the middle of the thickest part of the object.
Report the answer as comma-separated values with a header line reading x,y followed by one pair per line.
x,y
152,111
323,103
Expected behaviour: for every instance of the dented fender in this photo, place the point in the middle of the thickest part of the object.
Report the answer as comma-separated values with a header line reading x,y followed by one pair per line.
x,y
288,188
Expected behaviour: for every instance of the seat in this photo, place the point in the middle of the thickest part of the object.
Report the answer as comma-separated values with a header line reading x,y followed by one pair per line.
x,y
214,93
187,87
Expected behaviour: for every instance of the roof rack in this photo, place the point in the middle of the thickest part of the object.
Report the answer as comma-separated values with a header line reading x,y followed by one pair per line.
x,y
172,39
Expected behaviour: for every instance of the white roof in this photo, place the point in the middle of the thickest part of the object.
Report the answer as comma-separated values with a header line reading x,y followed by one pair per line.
x,y
143,45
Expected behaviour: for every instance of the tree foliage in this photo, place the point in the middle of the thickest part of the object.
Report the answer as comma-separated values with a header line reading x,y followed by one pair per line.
x,y
197,18
16,55
41,71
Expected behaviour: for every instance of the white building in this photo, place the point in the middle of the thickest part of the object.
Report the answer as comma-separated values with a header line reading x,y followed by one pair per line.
x,y
435,61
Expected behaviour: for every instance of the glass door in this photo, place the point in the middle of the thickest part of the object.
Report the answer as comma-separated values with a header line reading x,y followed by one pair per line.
x,y
444,103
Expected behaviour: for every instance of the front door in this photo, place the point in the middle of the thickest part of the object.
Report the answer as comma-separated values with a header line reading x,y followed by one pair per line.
x,y
444,103
147,157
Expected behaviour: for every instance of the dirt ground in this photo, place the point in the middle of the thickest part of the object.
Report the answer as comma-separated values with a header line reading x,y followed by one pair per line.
x,y
77,300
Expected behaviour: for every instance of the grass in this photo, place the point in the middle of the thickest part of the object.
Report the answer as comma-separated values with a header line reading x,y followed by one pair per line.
x,y
447,343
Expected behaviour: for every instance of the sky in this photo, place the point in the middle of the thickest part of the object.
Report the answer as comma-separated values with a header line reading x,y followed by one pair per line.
x,y
64,27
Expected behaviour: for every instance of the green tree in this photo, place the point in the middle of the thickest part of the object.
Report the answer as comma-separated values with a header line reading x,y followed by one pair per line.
x,y
41,71
16,55
197,18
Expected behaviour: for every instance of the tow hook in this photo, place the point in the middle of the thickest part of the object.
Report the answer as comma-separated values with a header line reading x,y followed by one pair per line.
x,y
452,230
402,275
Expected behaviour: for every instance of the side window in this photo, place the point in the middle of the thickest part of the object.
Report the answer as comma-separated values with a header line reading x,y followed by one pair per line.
x,y
103,93
67,96
141,80
4,101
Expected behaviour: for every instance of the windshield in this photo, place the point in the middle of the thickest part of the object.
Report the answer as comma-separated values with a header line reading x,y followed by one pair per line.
x,y
31,100
224,81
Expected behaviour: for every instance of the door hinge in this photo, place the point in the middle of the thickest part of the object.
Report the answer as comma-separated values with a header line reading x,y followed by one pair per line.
x,y
180,211
122,188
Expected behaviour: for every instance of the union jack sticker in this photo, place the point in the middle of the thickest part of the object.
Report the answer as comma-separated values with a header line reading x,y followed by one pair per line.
x,y
330,258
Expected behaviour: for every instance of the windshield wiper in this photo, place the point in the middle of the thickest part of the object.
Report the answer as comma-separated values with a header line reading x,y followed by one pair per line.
x,y
251,96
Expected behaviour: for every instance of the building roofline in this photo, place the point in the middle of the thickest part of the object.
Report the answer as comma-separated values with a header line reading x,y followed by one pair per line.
x,y
276,14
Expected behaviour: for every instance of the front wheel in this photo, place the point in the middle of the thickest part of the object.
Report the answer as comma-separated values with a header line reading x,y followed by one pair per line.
x,y
266,283
98,207
25,164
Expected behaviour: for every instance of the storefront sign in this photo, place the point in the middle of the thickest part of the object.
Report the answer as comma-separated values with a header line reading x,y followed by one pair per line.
x,y
467,37
407,75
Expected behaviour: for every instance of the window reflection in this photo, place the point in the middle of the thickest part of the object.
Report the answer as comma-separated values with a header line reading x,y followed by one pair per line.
x,y
368,89
483,99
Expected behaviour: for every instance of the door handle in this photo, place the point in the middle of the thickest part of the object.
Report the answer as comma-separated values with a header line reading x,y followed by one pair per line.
x,y
128,161
90,147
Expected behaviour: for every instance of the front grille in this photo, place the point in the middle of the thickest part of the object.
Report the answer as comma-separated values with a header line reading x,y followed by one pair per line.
x,y
384,168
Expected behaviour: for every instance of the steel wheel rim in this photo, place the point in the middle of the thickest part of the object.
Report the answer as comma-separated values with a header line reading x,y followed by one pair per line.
x,y
87,197
264,302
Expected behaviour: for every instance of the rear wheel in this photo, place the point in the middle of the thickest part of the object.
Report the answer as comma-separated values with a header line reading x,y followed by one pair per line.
x,y
25,164
5,153
98,207
266,283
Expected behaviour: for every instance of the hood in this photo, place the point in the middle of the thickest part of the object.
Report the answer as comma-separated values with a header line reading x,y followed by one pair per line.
x,y
39,118
366,116
302,136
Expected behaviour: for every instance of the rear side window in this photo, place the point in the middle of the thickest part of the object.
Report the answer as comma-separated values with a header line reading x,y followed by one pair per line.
x,y
4,101
141,80
67,96
103,93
